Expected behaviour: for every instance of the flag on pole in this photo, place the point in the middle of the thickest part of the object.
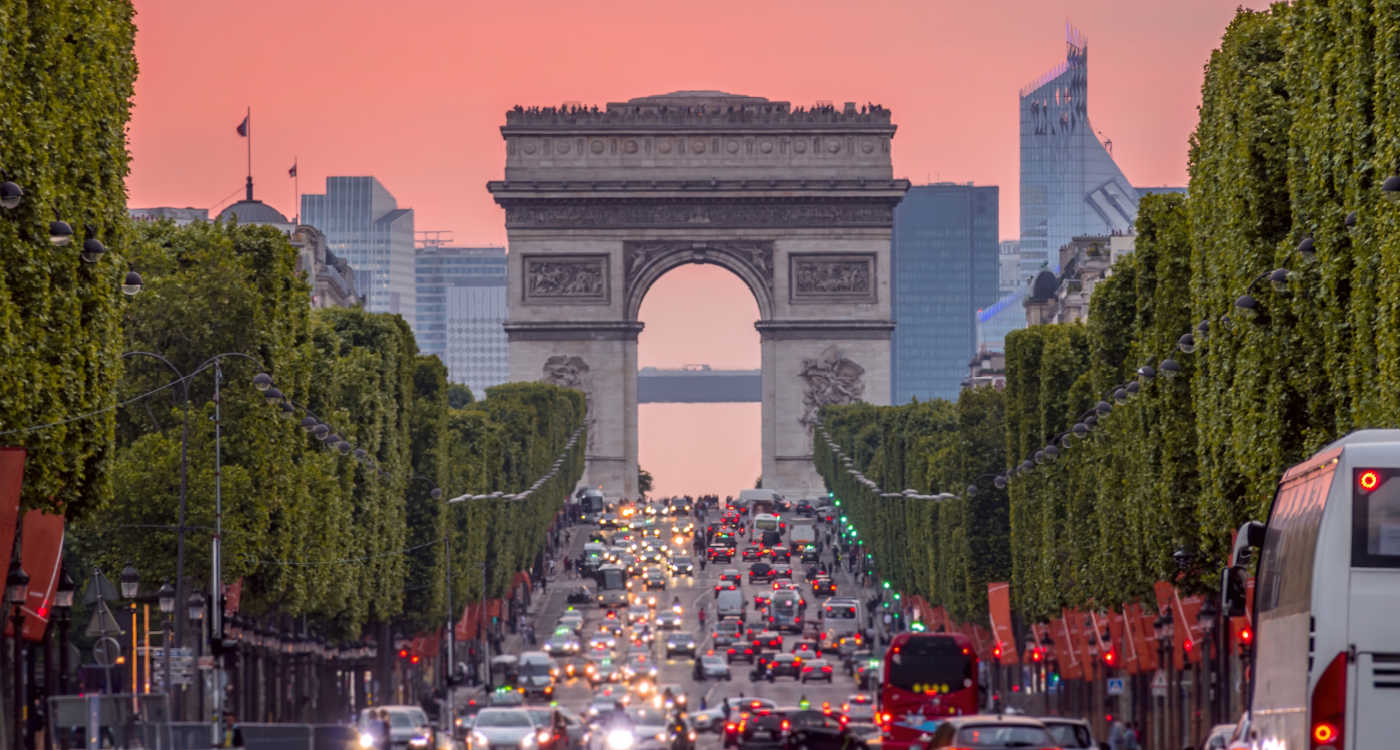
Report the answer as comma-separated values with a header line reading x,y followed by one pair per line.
x,y
293,171
243,126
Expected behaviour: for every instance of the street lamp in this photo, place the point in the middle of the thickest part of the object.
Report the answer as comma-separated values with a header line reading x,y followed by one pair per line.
x,y
130,581
165,601
16,589
10,194
63,605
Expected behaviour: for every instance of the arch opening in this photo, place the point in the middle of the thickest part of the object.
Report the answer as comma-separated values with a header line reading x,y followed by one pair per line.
x,y
698,314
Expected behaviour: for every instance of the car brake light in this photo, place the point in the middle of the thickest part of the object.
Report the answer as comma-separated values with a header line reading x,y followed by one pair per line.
x,y
1329,703
806,669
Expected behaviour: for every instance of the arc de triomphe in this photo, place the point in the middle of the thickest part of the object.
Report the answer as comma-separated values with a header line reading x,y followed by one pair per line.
x,y
798,203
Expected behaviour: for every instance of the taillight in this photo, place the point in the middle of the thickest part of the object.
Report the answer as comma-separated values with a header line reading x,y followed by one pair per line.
x,y
786,725
1329,705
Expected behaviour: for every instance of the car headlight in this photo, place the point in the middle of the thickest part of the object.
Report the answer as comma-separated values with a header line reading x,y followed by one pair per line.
x,y
542,736
619,739
527,741
419,741
480,740
366,740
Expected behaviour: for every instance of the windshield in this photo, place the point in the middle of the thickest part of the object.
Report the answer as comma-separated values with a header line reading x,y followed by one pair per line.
x,y
934,661
534,669
992,735
839,612
1069,735
647,716
611,579
502,719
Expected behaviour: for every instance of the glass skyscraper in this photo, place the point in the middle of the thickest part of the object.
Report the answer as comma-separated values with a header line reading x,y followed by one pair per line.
x,y
1070,185
461,303
945,260
363,224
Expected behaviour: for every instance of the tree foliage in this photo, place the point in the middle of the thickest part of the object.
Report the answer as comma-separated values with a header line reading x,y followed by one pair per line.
x,y
64,103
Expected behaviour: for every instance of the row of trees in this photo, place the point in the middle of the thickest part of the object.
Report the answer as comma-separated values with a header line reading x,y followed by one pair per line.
x,y
1299,127
343,539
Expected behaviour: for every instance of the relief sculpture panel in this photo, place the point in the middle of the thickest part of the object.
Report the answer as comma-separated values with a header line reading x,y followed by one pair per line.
x,y
830,379
571,371
826,277
566,280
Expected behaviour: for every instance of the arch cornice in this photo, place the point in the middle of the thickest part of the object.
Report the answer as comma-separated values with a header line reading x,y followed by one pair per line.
x,y
644,262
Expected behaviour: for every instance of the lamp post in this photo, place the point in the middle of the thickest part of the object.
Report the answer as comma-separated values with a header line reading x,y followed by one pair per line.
x,y
16,589
194,606
1210,661
63,605
130,581
165,601
1162,629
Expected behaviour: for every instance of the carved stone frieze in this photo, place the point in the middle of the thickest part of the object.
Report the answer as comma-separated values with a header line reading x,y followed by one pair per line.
x,y
566,279
689,215
830,379
754,256
571,371
828,277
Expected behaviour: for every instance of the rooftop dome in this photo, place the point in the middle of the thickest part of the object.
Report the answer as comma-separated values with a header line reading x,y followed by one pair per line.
x,y
1044,286
253,212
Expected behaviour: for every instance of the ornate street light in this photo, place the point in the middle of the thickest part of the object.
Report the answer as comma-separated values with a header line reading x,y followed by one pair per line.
x,y
1247,305
165,598
60,233
1103,408
1187,343
131,283
271,394
1349,222
1147,373
130,582
1390,189
1169,368
194,606
1309,251
92,250
262,381
10,194
1278,278
16,584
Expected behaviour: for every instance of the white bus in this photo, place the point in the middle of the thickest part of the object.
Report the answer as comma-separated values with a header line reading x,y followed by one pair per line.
x,y
1327,602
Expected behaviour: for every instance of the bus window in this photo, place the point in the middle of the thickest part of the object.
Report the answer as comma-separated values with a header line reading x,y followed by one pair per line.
x,y
1286,561
930,661
1375,519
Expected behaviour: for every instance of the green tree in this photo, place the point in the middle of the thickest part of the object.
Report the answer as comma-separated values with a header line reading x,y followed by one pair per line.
x,y
643,480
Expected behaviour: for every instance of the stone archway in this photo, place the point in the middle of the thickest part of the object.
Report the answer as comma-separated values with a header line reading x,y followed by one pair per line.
x,y
798,203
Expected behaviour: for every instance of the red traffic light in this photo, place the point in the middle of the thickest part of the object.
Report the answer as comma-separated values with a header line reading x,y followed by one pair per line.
x,y
1369,480
403,653
1187,645
1038,654
996,651
1246,635
413,659
1110,657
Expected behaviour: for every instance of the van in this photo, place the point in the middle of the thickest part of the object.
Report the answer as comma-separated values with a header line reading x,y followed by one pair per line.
x,y
730,603
536,671
765,522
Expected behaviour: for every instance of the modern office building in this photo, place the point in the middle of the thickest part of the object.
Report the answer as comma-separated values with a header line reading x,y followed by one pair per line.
x,y
477,352
461,306
1070,185
364,224
945,261
1009,267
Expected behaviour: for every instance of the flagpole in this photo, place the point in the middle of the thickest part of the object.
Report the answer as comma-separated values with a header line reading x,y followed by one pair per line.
x,y
296,191
249,118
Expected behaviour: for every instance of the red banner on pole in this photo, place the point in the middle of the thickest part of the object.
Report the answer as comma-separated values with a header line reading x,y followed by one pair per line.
x,y
1067,645
999,611
11,480
1122,645
41,554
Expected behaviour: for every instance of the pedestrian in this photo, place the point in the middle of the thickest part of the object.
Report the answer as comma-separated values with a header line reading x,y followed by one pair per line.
x,y
1115,736
381,731
1130,737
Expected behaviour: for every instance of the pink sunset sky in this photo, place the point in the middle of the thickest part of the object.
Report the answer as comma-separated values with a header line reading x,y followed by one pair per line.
x,y
414,92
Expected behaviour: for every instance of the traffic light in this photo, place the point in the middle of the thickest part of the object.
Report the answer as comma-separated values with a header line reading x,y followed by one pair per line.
x,y
1235,591
1037,654
403,653
1110,657
996,651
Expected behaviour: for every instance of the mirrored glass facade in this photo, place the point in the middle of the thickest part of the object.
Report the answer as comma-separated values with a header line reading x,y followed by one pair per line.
x,y
945,259
461,312
1070,185
363,224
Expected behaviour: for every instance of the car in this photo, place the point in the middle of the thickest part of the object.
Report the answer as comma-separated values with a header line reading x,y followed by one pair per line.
x,y
768,640
682,566
571,619
729,627
819,730
669,619
679,643
739,649
409,727
782,570
720,554
601,643
764,731
506,697
551,731
562,643
784,665
567,669
823,586
640,664
991,732
810,554
760,571
603,705
859,710
730,575
638,613
816,669
752,552
603,672
714,668
1075,734
806,648
502,727
654,578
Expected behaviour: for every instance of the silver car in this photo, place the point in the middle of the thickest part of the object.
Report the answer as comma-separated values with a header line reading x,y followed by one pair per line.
x,y
408,727
503,729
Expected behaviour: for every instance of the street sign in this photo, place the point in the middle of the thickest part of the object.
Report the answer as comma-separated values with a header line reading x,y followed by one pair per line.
x,y
1115,685
206,662
1159,684
106,651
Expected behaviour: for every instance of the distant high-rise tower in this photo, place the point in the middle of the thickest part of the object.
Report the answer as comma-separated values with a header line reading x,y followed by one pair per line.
x,y
364,224
945,258
462,311
1070,185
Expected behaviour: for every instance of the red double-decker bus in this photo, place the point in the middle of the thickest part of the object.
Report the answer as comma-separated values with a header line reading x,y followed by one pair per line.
x,y
927,677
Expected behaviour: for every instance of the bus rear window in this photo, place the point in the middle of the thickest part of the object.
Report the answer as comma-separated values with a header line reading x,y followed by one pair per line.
x,y
930,663
1375,519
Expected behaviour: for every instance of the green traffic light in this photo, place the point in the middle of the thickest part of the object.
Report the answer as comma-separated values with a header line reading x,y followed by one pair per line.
x,y
885,584
831,494
896,596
